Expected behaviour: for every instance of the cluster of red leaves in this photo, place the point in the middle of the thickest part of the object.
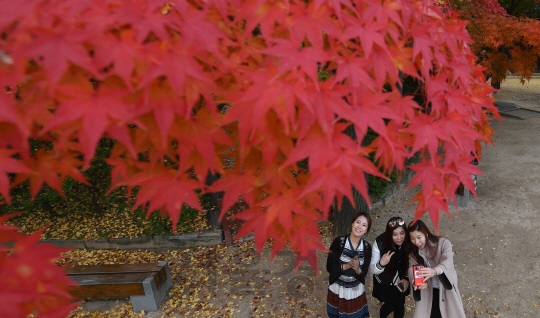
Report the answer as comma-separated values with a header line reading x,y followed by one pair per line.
x,y
494,32
153,75
491,6
31,281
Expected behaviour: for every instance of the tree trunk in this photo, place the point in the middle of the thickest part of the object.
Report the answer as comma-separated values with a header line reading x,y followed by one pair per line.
x,y
95,194
343,217
212,214
496,85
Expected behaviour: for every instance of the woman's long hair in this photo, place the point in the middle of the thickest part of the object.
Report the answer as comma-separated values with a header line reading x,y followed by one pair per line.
x,y
400,257
432,241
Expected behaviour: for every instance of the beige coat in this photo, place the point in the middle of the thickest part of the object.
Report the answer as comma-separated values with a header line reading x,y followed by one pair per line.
x,y
449,300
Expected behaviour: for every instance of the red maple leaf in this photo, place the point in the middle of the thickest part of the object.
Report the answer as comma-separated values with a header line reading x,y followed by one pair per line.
x,y
294,57
369,34
50,168
94,109
428,132
120,51
57,48
428,172
8,164
306,22
161,191
179,65
236,185
12,11
32,282
146,18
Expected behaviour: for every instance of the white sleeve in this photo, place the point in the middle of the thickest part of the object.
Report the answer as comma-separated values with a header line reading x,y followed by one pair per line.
x,y
375,258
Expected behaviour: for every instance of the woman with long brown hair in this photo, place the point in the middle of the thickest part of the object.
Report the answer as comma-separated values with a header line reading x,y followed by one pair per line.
x,y
389,267
438,296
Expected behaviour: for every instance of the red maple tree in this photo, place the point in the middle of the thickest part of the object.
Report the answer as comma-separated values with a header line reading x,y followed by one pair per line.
x,y
504,43
151,74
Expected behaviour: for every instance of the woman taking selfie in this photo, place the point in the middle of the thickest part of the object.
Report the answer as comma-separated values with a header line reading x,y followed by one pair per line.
x,y
348,264
438,295
389,268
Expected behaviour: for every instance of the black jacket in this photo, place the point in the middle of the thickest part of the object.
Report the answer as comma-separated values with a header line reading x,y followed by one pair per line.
x,y
382,282
332,262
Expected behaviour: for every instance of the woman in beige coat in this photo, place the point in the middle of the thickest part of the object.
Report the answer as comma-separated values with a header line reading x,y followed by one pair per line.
x,y
439,296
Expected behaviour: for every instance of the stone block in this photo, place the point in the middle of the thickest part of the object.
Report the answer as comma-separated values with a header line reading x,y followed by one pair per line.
x,y
99,244
132,243
180,240
80,244
247,238
153,296
209,238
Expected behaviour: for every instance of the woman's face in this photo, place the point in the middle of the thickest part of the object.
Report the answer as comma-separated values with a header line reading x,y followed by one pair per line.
x,y
418,238
398,235
359,226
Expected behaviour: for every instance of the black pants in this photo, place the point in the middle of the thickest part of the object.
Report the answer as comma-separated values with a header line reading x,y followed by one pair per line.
x,y
435,310
395,304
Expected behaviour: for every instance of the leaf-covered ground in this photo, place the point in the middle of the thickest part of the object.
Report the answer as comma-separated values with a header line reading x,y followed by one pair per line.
x,y
223,281
110,224
220,281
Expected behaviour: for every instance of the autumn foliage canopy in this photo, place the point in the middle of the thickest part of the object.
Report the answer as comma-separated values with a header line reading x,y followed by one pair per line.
x,y
504,43
232,87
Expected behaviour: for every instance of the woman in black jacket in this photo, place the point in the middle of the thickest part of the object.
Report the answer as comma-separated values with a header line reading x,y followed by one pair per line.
x,y
389,267
348,264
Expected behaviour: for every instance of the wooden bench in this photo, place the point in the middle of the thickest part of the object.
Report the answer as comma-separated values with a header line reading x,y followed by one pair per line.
x,y
228,221
146,284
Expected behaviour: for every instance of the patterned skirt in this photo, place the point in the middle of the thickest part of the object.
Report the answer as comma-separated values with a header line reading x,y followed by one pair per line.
x,y
347,298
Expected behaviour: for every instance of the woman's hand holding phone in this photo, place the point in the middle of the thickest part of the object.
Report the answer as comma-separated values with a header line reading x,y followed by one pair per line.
x,y
427,272
418,277
405,284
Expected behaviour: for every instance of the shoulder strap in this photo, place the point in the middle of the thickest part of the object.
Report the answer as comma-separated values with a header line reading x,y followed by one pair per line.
x,y
342,242
379,241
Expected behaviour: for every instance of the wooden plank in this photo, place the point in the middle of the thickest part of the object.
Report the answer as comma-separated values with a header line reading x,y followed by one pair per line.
x,y
105,290
111,284
160,277
110,278
113,268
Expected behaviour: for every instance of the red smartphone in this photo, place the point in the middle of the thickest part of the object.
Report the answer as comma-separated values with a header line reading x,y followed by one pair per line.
x,y
418,278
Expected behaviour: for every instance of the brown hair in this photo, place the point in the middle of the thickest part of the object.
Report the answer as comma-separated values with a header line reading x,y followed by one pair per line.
x,y
432,241
368,217
388,245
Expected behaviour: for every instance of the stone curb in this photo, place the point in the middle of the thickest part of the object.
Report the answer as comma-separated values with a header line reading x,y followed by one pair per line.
x,y
179,241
